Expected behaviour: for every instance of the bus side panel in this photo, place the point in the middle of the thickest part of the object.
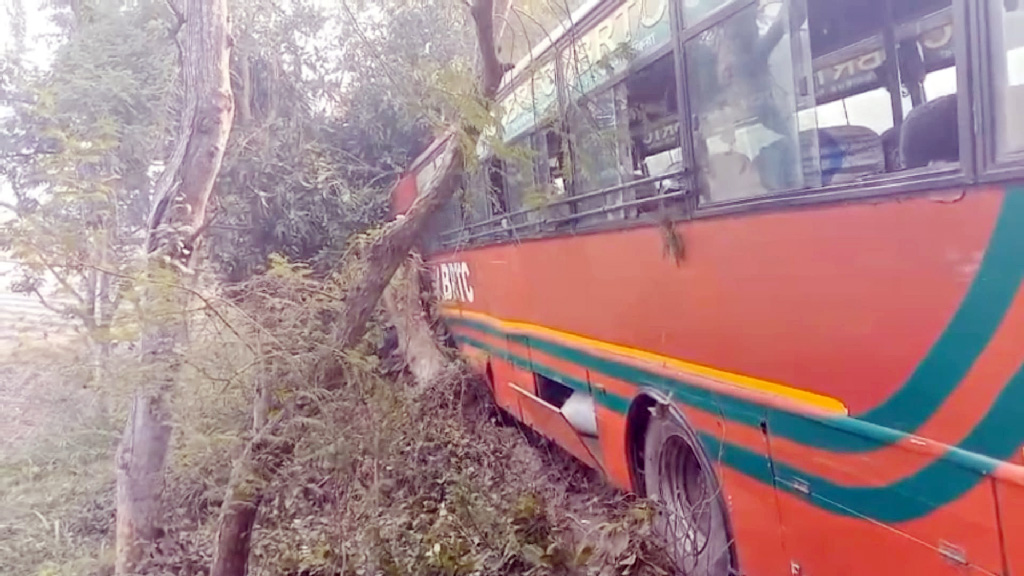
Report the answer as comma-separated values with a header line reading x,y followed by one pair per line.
x,y
476,358
505,376
547,420
967,523
752,506
845,300
611,432
756,527
820,542
822,299
404,194
1011,516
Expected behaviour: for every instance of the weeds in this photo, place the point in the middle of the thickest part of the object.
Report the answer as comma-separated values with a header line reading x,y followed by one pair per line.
x,y
379,476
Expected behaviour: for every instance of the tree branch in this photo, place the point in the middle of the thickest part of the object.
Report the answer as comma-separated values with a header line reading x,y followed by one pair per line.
x,y
387,252
492,68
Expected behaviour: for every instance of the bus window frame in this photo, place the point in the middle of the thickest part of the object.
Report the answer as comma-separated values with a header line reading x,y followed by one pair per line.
x,y
991,167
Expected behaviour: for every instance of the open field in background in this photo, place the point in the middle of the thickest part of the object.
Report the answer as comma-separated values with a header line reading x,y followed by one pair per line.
x,y
24,321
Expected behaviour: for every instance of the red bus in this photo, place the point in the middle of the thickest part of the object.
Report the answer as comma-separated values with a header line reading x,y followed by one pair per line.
x,y
763,265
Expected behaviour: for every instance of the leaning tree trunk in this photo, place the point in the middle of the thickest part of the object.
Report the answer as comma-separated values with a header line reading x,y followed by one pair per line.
x,y
381,260
179,210
389,250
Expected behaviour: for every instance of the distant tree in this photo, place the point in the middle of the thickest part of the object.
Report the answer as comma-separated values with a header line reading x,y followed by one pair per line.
x,y
78,149
175,224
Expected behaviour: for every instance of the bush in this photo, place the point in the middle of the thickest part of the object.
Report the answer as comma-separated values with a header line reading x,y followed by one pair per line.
x,y
378,476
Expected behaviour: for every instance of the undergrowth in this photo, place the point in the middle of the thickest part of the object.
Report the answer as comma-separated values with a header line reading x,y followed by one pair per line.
x,y
381,476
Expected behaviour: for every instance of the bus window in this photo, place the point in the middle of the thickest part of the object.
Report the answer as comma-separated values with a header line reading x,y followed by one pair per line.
x,y
884,86
790,94
549,161
741,86
595,123
695,10
472,198
654,119
593,129
518,175
548,170
555,161
1008,70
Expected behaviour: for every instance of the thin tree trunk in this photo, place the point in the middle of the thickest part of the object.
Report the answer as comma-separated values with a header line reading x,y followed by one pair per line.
x,y
388,251
257,466
179,210
140,463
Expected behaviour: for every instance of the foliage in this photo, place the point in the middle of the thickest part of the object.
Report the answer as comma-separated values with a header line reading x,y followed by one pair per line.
x,y
80,147
378,477
334,102
385,477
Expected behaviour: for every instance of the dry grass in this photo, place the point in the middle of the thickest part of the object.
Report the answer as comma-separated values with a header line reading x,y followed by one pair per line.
x,y
56,472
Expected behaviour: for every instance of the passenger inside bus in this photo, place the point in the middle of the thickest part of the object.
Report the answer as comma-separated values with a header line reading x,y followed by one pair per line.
x,y
734,85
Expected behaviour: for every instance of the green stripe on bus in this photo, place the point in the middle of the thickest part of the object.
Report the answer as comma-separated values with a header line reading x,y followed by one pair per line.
x,y
942,481
965,337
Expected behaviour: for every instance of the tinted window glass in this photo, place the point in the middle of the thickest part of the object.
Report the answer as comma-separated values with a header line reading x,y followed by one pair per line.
x,y
1008,71
884,87
801,93
743,99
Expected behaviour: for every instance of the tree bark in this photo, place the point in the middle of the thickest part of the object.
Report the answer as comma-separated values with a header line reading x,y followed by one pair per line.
x,y
264,454
179,210
417,342
140,467
386,253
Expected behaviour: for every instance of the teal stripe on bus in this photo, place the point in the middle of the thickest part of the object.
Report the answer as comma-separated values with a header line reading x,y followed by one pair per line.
x,y
962,341
943,481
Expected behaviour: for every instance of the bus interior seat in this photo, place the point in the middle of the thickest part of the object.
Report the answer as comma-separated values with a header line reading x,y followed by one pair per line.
x,y
847,153
931,133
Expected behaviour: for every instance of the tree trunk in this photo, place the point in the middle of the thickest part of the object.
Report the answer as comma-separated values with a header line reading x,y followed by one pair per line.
x,y
140,462
178,214
390,249
417,342
264,454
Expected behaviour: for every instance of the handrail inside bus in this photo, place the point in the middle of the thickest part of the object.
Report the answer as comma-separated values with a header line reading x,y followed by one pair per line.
x,y
570,200
506,223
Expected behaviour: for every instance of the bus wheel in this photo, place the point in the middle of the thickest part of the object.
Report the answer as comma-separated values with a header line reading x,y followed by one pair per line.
x,y
690,515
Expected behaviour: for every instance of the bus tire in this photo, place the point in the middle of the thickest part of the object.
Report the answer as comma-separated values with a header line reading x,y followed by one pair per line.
x,y
690,513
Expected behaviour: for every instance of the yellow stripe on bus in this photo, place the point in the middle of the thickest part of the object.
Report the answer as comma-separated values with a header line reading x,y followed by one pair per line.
x,y
813,399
